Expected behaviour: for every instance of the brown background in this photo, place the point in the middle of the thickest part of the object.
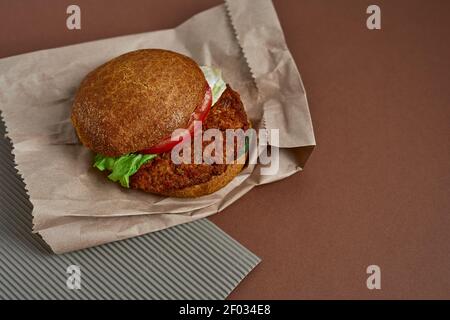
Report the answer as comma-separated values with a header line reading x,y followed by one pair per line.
x,y
376,188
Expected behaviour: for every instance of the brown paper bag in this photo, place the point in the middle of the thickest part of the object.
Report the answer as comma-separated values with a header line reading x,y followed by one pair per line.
x,y
74,205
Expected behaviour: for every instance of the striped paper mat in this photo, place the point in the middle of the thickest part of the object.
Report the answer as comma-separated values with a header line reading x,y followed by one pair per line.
x,y
190,261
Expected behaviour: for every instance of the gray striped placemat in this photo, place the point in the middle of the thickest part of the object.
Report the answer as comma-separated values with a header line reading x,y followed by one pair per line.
x,y
190,261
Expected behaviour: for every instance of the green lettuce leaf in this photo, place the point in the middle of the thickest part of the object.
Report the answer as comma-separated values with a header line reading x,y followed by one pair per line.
x,y
122,167
214,78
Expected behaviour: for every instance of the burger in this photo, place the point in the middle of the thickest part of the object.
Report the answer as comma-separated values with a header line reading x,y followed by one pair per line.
x,y
127,110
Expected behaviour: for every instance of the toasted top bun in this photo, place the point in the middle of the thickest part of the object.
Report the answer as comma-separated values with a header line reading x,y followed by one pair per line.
x,y
137,99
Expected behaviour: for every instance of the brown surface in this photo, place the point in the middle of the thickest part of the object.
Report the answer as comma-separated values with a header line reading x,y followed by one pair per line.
x,y
375,190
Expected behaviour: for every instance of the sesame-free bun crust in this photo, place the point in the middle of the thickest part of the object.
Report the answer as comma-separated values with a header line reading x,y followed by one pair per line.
x,y
135,100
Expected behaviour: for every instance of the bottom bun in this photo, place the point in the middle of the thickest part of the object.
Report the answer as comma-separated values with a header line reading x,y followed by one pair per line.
x,y
216,182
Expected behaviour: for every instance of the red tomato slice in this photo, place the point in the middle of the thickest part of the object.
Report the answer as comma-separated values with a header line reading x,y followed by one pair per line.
x,y
199,114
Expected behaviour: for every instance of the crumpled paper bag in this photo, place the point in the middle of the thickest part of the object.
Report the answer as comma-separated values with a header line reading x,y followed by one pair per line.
x,y
74,205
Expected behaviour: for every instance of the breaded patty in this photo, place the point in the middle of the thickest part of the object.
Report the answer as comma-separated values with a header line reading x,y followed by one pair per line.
x,y
162,176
